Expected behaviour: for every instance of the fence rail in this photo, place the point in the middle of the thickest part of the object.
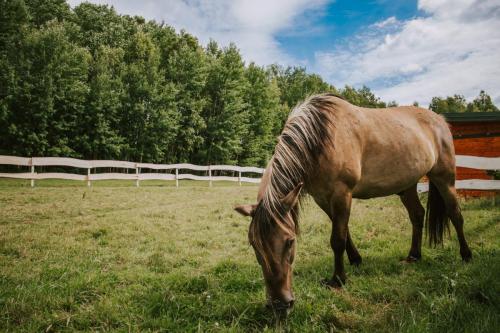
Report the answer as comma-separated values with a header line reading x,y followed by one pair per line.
x,y
33,162
473,162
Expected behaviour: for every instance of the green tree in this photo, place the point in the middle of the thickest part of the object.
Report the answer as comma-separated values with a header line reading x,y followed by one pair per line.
x,y
100,127
186,68
149,121
455,103
482,103
49,99
263,106
362,97
100,25
226,121
13,27
43,11
13,22
296,84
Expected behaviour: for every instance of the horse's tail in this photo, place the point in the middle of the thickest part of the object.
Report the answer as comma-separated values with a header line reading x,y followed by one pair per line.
x,y
436,219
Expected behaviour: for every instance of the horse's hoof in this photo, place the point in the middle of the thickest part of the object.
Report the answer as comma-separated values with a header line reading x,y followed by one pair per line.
x,y
411,259
466,255
356,261
335,282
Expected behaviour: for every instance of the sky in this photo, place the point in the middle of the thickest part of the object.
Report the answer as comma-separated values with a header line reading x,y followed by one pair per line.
x,y
404,50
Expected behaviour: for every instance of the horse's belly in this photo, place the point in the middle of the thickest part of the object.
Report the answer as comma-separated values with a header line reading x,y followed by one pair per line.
x,y
384,176
383,187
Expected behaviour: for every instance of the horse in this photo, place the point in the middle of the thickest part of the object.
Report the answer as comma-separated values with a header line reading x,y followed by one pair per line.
x,y
335,151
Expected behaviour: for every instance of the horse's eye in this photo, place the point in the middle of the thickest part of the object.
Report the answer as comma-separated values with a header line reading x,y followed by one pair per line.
x,y
289,243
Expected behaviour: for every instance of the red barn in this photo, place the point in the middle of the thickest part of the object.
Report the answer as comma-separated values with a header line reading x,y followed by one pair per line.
x,y
475,134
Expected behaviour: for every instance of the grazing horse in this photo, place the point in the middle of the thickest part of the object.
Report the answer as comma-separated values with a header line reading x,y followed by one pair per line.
x,y
335,151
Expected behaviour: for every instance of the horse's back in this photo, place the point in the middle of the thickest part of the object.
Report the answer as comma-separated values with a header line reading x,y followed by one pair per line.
x,y
385,151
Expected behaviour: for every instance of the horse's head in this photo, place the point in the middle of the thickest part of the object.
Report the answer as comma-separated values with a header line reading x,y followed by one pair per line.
x,y
272,235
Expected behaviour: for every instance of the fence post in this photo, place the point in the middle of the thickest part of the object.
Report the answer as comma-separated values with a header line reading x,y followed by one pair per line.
x,y
176,177
32,173
239,177
209,177
137,176
88,177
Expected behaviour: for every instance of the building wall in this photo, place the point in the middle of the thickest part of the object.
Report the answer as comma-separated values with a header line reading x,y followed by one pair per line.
x,y
476,139
474,128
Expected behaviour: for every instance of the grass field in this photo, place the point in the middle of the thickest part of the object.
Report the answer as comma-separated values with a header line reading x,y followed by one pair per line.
x,y
158,258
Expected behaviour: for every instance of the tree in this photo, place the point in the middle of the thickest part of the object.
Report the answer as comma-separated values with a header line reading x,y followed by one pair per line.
x,y
226,121
482,103
100,133
149,122
455,103
100,25
50,94
263,106
13,21
296,84
363,97
13,27
43,11
186,68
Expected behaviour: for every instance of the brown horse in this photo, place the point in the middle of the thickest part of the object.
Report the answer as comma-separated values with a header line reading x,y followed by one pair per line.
x,y
335,151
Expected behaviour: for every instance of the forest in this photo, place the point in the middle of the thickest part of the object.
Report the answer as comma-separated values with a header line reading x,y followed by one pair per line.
x,y
87,82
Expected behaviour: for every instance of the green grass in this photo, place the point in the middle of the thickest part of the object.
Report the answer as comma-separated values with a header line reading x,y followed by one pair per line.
x,y
114,257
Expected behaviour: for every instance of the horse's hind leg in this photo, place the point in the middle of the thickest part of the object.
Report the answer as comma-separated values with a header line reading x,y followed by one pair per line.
x,y
448,192
417,214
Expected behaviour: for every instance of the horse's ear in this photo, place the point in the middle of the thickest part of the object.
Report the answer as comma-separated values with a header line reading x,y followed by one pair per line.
x,y
245,210
292,198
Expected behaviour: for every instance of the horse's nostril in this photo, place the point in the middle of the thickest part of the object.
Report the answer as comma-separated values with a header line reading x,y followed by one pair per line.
x,y
280,305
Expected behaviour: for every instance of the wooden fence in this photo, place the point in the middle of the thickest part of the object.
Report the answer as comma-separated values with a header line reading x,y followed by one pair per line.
x,y
474,162
33,162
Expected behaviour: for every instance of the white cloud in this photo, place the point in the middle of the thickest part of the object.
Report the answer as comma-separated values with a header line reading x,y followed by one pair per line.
x,y
387,22
453,49
251,24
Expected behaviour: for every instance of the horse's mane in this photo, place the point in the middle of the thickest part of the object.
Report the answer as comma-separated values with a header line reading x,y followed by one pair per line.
x,y
302,140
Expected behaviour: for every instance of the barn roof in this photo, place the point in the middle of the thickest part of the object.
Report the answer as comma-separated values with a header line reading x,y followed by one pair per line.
x,y
472,116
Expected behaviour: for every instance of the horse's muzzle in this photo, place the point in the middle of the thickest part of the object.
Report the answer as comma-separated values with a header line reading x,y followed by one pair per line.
x,y
281,306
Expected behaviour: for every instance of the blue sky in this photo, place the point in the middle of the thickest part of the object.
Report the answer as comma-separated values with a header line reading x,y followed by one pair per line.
x,y
340,20
404,51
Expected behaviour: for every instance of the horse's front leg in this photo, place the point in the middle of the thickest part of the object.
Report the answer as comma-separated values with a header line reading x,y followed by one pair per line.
x,y
352,253
340,208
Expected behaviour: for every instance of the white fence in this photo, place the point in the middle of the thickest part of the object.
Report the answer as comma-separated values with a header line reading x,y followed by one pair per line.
x,y
473,162
32,162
